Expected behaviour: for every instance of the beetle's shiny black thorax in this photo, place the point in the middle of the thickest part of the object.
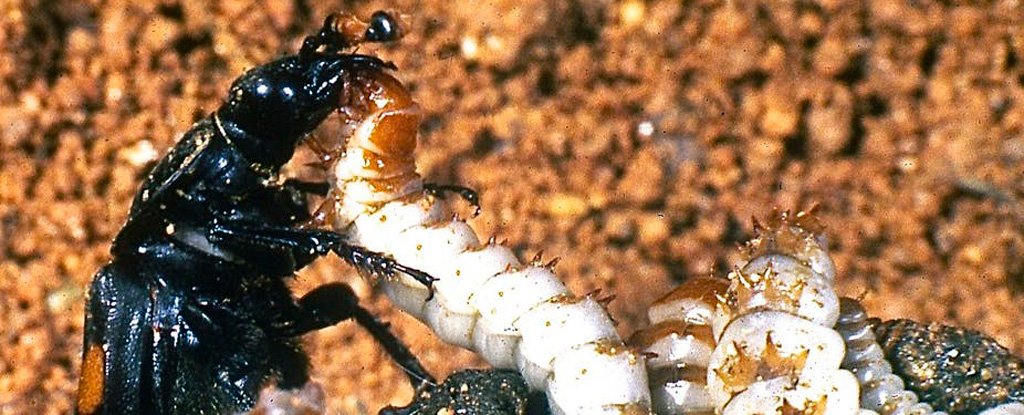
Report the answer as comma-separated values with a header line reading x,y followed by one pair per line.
x,y
203,179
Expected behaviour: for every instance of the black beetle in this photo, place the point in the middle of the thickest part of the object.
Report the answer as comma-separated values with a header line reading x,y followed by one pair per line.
x,y
192,315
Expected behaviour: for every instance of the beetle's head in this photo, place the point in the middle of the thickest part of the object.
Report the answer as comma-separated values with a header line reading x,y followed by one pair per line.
x,y
272,107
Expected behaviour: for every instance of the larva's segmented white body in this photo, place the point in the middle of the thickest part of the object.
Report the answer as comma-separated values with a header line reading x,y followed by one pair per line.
x,y
881,390
679,343
776,349
515,315
771,347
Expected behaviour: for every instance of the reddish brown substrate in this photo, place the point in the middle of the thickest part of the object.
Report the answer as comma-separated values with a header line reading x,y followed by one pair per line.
x,y
633,139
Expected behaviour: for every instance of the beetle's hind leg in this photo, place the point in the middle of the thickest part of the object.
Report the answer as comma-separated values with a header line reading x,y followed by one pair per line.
x,y
394,347
332,303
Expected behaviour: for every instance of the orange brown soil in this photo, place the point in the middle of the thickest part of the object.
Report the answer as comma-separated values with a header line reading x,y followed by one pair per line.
x,y
633,139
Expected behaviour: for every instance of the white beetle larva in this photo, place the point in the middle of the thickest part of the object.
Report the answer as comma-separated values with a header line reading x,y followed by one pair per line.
x,y
515,315
881,390
776,350
776,339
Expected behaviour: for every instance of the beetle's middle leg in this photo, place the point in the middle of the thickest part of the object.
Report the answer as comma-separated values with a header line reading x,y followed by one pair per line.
x,y
312,242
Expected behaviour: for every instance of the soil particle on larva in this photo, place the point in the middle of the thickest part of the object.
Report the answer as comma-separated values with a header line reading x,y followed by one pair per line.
x,y
633,139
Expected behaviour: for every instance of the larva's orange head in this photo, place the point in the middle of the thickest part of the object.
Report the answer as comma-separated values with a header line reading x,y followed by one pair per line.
x,y
384,92
398,116
380,115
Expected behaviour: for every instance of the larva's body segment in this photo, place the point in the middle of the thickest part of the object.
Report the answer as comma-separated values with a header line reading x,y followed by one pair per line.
x,y
515,315
576,380
554,328
881,390
788,285
448,239
680,343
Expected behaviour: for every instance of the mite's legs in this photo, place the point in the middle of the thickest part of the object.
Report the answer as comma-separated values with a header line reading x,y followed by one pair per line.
x,y
441,190
312,242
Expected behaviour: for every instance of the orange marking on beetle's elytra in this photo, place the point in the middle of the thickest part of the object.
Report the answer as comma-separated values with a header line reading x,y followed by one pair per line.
x,y
90,385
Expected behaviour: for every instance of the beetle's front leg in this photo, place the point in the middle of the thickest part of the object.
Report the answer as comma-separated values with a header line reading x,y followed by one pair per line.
x,y
311,242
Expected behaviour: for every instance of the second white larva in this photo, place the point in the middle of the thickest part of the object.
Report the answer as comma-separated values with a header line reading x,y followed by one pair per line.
x,y
515,314
767,345
776,339
774,329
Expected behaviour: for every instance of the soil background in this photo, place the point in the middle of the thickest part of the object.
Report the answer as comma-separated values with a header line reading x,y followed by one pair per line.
x,y
635,140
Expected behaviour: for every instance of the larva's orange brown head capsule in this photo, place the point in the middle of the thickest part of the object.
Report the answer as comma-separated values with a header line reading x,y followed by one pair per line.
x,y
372,159
392,128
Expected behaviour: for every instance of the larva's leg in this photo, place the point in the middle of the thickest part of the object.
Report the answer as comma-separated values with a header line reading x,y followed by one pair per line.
x,y
311,242
441,190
